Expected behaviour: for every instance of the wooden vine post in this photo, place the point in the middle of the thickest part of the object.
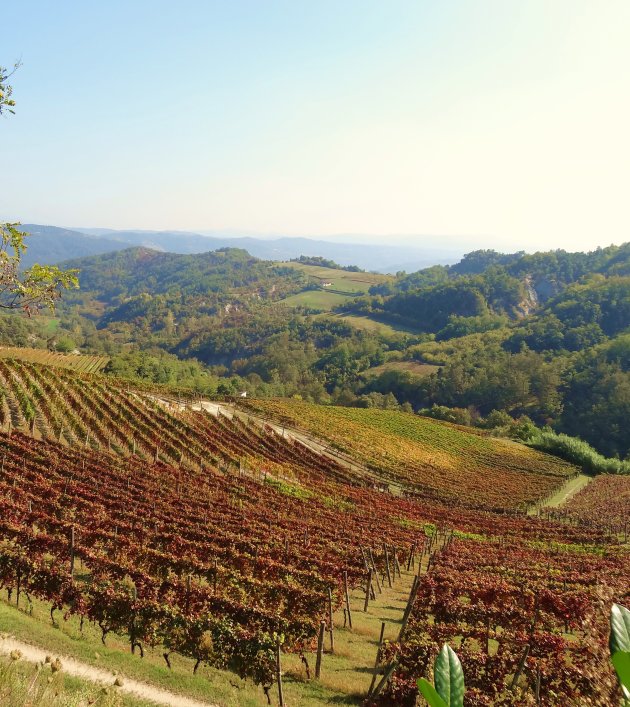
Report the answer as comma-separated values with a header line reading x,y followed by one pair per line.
x,y
378,582
412,597
389,577
279,674
72,552
378,658
395,562
331,627
521,665
368,588
410,560
320,648
389,671
345,587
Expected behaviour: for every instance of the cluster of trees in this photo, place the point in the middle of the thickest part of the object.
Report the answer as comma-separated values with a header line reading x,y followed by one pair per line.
x,y
318,261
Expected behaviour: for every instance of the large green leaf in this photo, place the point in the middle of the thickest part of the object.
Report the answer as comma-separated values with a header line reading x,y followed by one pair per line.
x,y
619,629
449,677
429,694
621,661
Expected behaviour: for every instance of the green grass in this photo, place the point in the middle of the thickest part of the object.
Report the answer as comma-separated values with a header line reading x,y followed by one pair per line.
x,y
319,300
344,280
367,324
577,483
344,286
417,369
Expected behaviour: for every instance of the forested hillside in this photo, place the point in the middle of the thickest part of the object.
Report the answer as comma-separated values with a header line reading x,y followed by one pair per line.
x,y
492,339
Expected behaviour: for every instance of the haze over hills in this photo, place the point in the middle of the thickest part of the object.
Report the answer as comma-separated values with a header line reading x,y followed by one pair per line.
x,y
50,245
53,245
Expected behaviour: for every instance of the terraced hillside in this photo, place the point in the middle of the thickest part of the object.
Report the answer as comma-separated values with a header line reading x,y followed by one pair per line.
x,y
430,458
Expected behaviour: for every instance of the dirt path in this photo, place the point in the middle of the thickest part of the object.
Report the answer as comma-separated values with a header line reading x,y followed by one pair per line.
x,y
87,672
569,489
572,486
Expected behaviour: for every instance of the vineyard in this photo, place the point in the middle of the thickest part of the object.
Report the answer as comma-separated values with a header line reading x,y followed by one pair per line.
x,y
429,458
98,414
525,617
83,363
224,542
604,503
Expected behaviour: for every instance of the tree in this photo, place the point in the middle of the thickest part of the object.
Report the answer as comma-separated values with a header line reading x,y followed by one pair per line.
x,y
39,286
6,90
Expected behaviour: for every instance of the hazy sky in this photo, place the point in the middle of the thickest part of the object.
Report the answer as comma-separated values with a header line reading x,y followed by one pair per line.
x,y
493,123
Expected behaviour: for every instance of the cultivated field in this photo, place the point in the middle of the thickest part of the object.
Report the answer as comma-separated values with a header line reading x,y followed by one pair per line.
x,y
334,287
83,363
195,552
430,458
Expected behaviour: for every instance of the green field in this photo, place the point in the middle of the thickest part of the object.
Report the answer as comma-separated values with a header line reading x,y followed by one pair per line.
x,y
417,369
335,287
343,280
371,325
319,300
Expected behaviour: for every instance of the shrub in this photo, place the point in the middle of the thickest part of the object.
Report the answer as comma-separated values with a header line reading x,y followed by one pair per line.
x,y
576,451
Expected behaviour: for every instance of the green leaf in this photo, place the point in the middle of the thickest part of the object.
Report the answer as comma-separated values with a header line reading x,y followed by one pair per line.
x,y
621,661
619,629
449,677
429,694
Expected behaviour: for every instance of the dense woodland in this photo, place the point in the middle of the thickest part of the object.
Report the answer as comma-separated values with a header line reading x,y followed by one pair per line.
x,y
542,337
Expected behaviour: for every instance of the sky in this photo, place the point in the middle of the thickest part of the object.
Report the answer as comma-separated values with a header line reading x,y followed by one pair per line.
x,y
490,123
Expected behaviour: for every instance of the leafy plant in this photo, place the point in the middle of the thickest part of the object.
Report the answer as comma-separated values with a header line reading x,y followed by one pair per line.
x,y
620,646
449,681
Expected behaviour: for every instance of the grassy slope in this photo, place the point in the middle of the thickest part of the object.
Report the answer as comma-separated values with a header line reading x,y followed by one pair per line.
x,y
413,367
343,280
344,286
443,459
371,325
320,300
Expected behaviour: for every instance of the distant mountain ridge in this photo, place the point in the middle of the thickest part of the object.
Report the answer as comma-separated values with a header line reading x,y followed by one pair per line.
x,y
51,245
